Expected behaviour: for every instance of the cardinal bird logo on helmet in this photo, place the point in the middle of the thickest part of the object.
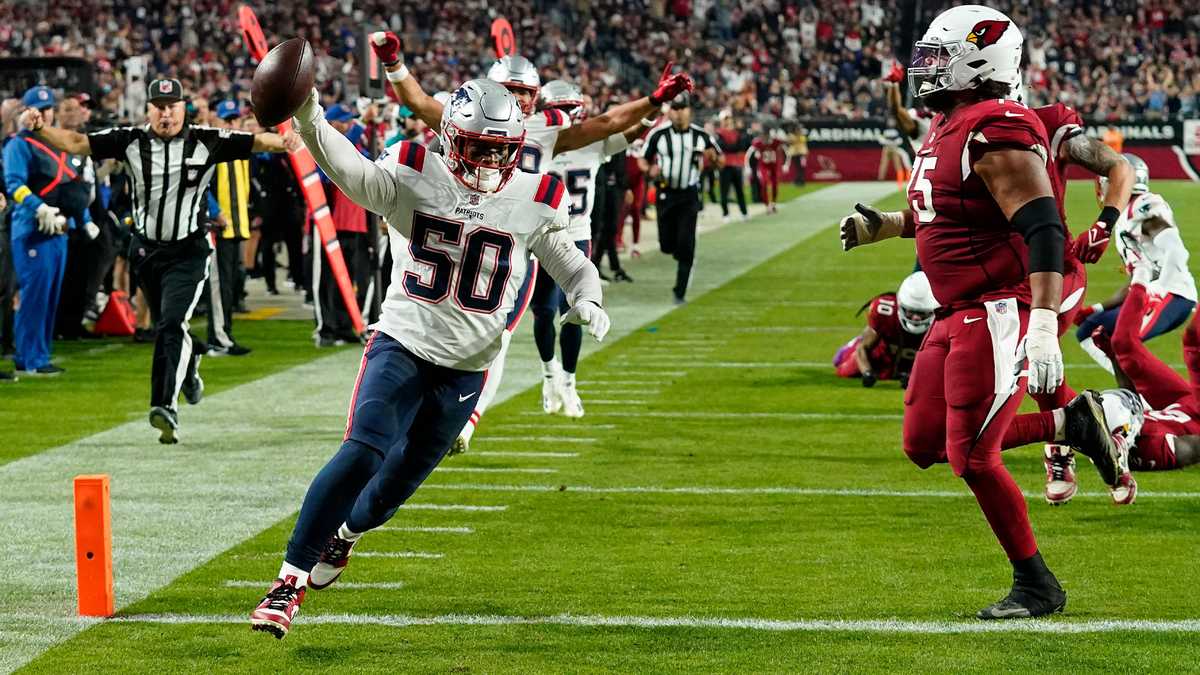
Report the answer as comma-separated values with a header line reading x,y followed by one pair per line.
x,y
987,33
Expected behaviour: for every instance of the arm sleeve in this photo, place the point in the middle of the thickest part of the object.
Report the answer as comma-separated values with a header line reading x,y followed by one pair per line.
x,y
1169,242
230,145
110,143
16,173
614,144
566,264
365,182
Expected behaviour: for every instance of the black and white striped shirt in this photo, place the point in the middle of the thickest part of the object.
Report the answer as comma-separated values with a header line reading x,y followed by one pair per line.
x,y
169,176
678,153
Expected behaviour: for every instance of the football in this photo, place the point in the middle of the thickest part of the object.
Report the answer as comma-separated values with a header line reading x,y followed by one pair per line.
x,y
282,81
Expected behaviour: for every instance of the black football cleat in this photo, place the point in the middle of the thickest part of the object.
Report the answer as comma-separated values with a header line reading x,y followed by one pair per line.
x,y
1035,592
167,423
333,562
1087,431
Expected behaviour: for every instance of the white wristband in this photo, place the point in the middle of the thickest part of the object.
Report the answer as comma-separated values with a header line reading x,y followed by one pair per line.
x,y
398,75
1043,320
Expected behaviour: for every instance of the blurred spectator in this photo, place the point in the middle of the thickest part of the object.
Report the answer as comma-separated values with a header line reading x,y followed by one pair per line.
x,y
230,192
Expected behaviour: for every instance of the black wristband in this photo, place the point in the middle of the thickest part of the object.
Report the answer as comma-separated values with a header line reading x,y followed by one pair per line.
x,y
1109,216
1039,223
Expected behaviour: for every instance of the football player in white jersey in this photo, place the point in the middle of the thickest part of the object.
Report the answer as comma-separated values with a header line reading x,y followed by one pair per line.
x,y
1145,230
577,169
547,134
463,223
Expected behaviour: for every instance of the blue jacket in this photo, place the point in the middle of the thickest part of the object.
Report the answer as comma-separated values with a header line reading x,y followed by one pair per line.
x,y
33,177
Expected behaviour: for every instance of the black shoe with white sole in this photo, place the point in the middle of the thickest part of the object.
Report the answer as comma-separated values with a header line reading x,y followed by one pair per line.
x,y
167,423
1035,592
193,389
1087,431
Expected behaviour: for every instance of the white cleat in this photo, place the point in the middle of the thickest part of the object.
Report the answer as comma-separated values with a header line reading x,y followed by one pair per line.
x,y
1059,461
572,406
552,402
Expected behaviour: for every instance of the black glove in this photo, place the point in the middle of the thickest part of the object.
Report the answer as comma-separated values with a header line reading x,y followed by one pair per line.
x,y
868,379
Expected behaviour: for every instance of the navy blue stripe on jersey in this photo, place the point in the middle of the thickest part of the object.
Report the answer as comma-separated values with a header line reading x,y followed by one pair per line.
x,y
550,191
411,155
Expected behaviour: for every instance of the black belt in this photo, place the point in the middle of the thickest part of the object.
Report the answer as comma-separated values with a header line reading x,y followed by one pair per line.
x,y
670,191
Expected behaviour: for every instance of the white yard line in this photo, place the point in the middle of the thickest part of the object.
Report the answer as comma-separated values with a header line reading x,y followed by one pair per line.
x,y
489,469
538,439
551,426
897,626
424,555
618,401
343,585
779,490
453,507
521,453
601,382
426,530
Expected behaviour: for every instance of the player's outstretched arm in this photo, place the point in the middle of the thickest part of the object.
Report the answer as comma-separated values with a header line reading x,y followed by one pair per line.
x,y
68,141
578,278
1018,181
386,46
269,141
619,118
365,182
1101,160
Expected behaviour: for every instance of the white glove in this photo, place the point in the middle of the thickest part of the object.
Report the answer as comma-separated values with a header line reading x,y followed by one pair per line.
x,y
588,313
91,230
1043,352
869,225
50,220
309,112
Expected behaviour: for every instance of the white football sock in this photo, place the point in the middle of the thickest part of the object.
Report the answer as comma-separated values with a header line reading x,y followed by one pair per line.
x,y
1060,425
346,533
569,379
550,368
290,570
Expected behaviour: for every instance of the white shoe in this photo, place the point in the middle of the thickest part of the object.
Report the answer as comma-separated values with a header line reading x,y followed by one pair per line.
x,y
725,219
571,405
552,401
1059,461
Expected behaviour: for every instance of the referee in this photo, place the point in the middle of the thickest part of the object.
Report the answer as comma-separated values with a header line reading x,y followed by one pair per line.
x,y
673,153
170,164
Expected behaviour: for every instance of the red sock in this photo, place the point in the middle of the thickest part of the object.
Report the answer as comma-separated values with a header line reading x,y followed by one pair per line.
x,y
1059,399
1029,428
1004,507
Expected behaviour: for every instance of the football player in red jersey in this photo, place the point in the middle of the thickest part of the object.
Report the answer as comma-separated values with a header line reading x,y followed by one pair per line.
x,y
991,239
1068,145
896,324
771,153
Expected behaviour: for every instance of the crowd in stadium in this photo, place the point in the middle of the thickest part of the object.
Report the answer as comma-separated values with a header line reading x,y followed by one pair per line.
x,y
820,58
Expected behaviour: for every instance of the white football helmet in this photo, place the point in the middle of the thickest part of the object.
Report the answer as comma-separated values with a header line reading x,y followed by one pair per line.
x,y
483,130
917,303
564,96
1124,411
963,48
517,73
1141,178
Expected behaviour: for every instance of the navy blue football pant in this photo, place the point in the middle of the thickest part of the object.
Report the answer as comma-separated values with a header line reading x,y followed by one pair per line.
x,y
548,301
1163,315
403,417
39,262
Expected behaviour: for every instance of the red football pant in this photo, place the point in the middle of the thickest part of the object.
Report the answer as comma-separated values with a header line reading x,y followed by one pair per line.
x,y
953,413
634,210
768,179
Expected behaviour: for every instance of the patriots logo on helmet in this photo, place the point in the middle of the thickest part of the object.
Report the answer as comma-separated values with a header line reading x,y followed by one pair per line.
x,y
987,33
459,98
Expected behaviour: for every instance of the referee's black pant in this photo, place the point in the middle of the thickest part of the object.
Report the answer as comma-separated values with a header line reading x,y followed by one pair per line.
x,y
677,211
731,178
172,275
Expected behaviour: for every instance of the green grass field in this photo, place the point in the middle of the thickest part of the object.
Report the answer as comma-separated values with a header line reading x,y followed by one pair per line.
x,y
726,505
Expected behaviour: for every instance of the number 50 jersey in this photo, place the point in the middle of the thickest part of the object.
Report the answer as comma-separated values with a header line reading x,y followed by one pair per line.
x,y
964,241
460,256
